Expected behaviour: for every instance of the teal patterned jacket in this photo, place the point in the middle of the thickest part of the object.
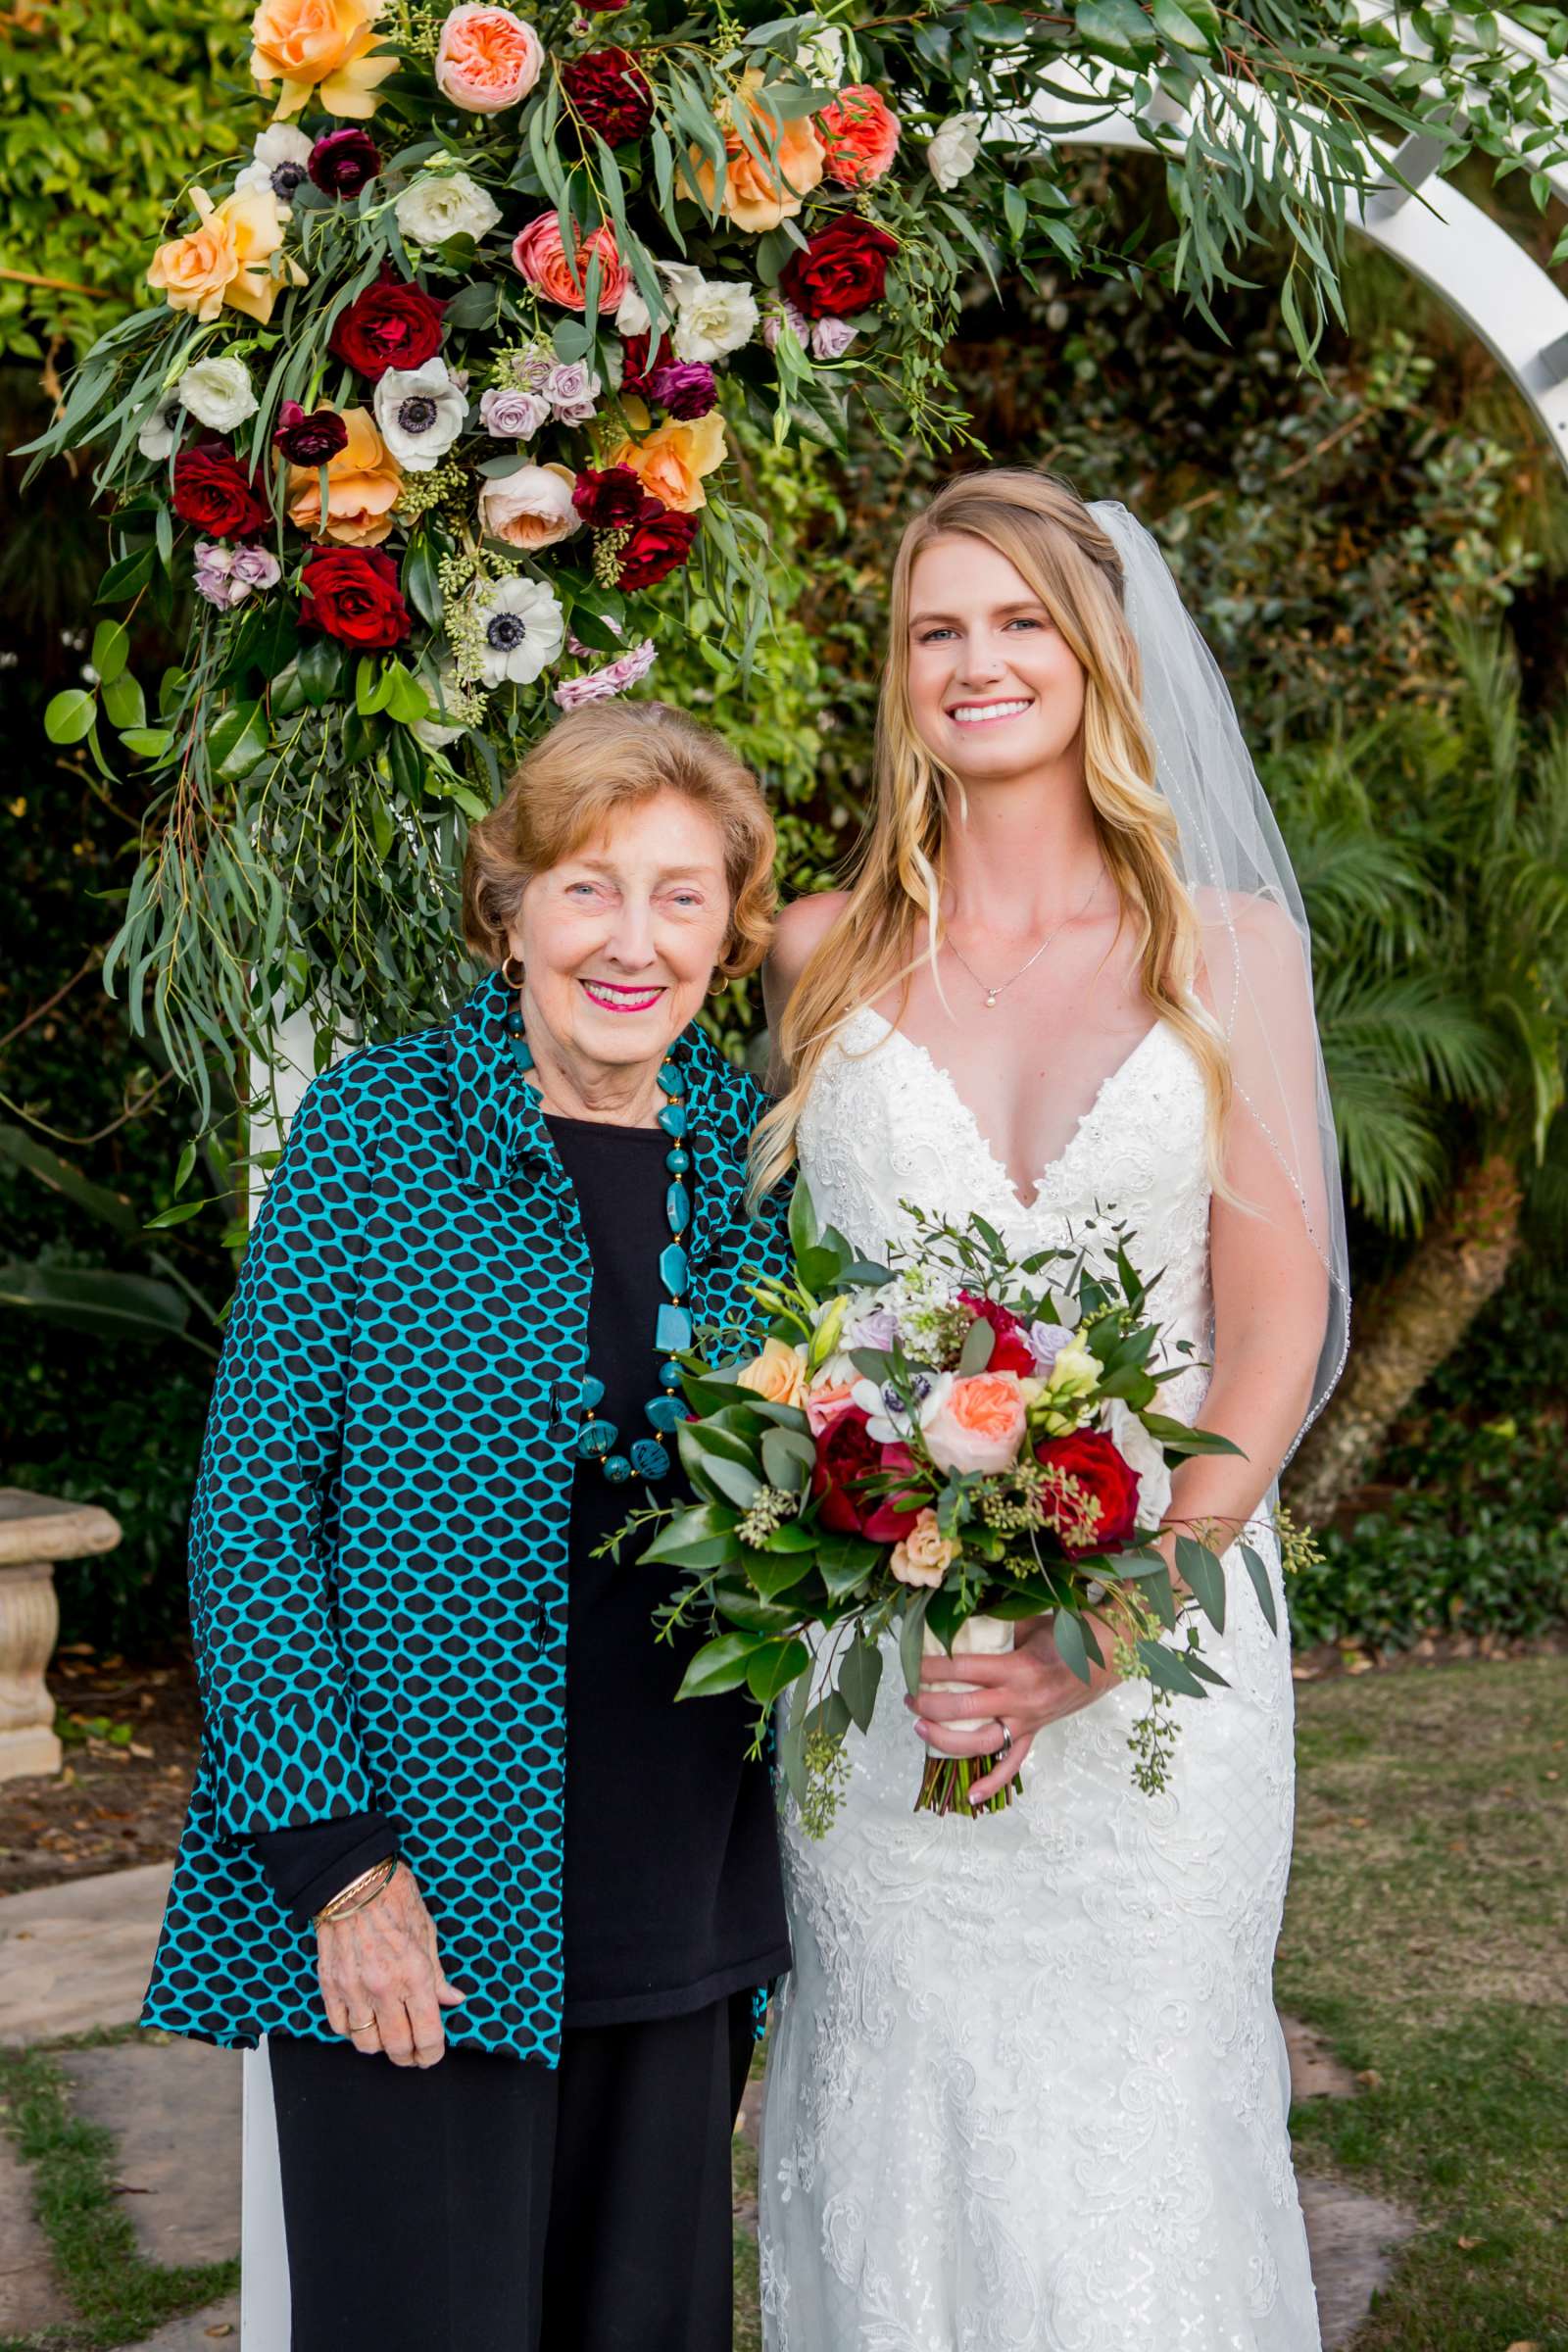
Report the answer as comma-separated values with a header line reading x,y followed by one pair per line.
x,y
378,1540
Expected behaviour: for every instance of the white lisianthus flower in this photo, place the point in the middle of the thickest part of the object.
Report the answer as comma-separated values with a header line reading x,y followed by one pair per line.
x,y
718,315
160,426
523,629
633,316
419,412
681,278
953,151
1142,1455
281,161
218,393
445,204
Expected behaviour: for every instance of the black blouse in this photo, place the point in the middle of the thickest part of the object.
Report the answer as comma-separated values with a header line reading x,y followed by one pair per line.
x,y
672,1893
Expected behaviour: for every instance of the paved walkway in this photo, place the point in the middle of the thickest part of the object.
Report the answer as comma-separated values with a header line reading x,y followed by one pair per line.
x,y
76,1957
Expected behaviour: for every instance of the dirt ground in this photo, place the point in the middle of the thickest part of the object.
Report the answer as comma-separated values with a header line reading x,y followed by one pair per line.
x,y
130,1734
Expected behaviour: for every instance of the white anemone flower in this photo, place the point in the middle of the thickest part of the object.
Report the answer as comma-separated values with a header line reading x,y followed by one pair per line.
x,y
419,412
523,629
890,1423
633,317
280,162
160,426
218,393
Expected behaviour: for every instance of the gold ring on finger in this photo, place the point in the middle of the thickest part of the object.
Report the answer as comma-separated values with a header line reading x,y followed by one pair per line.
x,y
363,2027
1006,1749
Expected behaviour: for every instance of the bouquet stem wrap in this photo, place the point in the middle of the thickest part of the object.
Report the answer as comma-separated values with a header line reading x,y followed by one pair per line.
x,y
947,1780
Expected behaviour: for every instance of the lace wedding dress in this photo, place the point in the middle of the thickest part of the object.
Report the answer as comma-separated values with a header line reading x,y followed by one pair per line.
x,y
1026,2090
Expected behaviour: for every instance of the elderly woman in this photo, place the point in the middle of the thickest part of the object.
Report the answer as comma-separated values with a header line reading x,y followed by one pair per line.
x,y
447,1808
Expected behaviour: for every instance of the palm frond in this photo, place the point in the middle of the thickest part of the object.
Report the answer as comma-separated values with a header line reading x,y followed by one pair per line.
x,y
1391,1154
1416,1031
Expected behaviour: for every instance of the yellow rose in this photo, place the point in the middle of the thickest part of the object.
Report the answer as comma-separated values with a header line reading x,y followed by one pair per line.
x,y
757,196
363,482
924,1556
320,45
778,1374
233,258
670,463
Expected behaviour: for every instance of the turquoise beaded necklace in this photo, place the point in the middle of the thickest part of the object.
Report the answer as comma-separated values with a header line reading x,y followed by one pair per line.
x,y
599,1440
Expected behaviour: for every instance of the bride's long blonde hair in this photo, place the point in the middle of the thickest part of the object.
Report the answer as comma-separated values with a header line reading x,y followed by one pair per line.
x,y
893,913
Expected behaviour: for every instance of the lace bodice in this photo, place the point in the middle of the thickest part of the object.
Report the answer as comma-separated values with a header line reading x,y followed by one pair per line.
x,y
1026,2090
885,1124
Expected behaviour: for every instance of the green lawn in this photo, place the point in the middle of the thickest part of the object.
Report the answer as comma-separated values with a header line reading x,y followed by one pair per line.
x,y
1426,1936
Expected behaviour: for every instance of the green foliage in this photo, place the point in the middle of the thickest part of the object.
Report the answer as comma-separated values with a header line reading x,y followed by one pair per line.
x,y
109,108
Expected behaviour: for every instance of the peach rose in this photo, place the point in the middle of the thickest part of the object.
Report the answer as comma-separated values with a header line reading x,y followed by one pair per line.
x,y
924,1556
540,255
757,196
672,463
232,257
979,1424
489,59
321,45
859,135
825,1399
531,508
363,482
778,1374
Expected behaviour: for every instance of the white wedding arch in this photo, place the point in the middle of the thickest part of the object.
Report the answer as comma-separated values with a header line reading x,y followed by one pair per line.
x,y
1508,302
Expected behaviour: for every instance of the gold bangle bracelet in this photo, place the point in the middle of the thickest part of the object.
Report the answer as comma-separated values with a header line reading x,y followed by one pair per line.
x,y
357,1894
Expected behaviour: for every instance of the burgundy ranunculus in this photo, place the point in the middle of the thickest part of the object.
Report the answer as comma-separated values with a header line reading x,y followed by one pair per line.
x,y
843,268
1012,1352
309,439
610,501
610,94
634,363
391,325
213,491
352,594
1095,1465
659,544
343,162
686,388
846,1454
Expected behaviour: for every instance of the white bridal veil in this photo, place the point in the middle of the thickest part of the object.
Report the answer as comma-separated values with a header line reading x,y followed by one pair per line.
x,y
1256,945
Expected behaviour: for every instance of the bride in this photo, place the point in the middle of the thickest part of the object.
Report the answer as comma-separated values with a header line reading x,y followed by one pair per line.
x,y
1026,2090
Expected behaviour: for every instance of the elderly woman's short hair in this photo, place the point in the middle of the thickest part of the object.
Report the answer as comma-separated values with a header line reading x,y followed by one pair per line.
x,y
573,784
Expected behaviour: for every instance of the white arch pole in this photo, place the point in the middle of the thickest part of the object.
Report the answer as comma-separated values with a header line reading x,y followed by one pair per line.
x,y
1470,262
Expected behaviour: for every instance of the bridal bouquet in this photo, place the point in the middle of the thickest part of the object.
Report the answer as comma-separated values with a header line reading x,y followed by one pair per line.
x,y
944,1446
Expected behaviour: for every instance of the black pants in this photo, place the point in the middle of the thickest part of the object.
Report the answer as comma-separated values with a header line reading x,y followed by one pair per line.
x,y
490,2205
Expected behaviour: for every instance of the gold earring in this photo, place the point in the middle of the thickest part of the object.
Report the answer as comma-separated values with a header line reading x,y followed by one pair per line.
x,y
506,973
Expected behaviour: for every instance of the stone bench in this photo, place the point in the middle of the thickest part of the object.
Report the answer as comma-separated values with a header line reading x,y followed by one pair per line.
x,y
37,1531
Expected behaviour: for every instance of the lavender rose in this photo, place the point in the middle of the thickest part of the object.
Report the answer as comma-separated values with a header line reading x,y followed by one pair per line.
x,y
512,415
573,391
226,575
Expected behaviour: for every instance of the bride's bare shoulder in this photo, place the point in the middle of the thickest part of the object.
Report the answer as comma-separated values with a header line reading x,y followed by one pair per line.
x,y
800,931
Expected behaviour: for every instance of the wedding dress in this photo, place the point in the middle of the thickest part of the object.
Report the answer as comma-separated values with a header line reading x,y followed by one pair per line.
x,y
1026,2090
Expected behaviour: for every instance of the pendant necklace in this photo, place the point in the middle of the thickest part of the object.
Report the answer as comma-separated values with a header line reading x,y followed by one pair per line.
x,y
599,1440
992,994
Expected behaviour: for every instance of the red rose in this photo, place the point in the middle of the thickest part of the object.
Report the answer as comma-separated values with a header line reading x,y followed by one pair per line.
x,y
1092,1462
213,491
1012,1352
390,325
610,94
844,268
612,500
351,593
634,364
659,544
846,1454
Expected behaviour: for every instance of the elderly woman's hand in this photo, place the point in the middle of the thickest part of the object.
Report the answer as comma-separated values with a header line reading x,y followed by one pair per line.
x,y
381,1978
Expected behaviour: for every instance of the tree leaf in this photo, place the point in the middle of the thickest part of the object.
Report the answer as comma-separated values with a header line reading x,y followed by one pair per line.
x,y
979,1345
1068,1636
1200,1569
858,1679
719,1665
70,714
1258,1573
125,704
774,1666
